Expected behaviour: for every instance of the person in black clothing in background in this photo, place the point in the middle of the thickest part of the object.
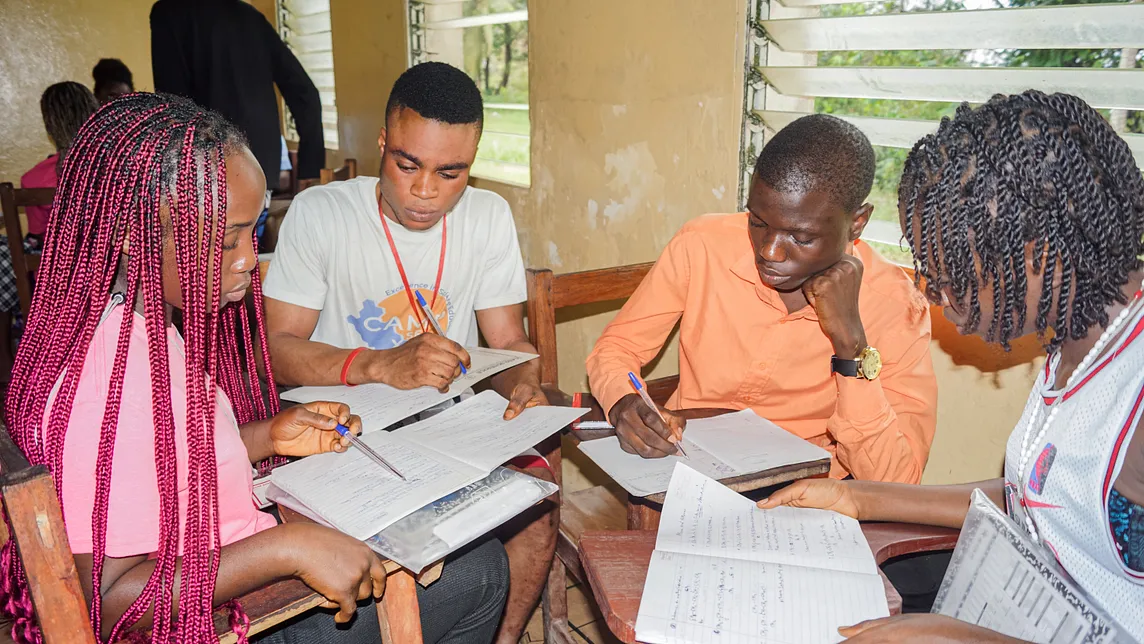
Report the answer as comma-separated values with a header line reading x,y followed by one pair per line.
x,y
225,56
112,80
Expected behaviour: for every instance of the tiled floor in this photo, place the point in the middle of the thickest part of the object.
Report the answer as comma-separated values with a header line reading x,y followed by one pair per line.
x,y
587,624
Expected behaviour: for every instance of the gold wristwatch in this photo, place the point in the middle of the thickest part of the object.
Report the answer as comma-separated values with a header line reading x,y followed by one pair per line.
x,y
867,366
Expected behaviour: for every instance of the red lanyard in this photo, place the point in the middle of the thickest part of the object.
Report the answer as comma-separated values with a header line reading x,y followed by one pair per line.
x,y
401,269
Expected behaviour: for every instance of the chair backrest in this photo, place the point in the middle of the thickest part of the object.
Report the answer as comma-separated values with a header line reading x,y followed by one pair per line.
x,y
548,293
12,200
288,179
33,510
345,173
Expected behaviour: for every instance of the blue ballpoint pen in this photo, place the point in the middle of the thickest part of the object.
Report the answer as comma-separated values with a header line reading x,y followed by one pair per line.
x,y
367,450
433,321
648,401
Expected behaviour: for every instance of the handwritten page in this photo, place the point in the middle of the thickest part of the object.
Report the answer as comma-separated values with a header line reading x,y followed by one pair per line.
x,y
381,405
476,432
694,599
360,498
719,447
701,516
999,579
750,443
643,476
725,571
486,363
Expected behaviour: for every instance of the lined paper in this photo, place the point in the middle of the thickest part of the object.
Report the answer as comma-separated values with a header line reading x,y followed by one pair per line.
x,y
360,498
477,434
643,476
725,571
704,517
380,405
437,456
718,447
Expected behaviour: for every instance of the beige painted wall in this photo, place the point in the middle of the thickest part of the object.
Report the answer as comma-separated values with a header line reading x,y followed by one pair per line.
x,y
635,131
48,41
369,54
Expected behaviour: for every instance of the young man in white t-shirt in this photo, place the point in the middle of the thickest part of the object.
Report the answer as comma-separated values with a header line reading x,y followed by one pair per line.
x,y
339,306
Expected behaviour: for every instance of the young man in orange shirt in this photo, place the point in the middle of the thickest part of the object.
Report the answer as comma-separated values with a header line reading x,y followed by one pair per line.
x,y
784,310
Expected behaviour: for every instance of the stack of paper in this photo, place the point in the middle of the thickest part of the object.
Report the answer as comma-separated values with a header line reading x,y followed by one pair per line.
x,y
725,571
720,447
437,456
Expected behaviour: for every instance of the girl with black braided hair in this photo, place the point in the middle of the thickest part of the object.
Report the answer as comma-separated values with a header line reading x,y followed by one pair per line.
x,y
1026,215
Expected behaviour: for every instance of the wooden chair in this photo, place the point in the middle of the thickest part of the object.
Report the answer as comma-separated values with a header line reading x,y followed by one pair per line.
x,y
345,173
24,264
288,179
595,508
31,505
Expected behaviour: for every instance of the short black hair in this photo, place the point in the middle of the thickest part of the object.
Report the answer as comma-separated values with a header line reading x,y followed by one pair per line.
x,y
111,70
438,92
822,153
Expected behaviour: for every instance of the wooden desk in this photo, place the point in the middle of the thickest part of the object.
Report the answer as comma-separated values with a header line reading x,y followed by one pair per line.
x,y
643,512
616,564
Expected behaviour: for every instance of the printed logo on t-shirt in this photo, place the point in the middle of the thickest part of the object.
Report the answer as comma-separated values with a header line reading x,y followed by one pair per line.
x,y
392,322
1041,468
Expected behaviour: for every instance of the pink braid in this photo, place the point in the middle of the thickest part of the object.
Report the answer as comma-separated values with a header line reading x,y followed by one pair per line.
x,y
135,157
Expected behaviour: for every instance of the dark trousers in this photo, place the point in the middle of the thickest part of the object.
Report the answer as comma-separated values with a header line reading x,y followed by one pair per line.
x,y
462,607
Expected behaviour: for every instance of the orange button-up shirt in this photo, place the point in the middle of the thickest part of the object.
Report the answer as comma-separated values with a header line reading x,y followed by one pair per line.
x,y
739,348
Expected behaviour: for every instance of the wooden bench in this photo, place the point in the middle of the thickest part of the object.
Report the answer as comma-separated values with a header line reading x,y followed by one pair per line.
x,y
29,499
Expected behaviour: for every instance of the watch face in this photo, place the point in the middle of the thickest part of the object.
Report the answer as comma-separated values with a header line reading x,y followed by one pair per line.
x,y
871,363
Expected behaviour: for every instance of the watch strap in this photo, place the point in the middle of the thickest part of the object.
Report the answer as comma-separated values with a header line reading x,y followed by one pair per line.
x,y
848,368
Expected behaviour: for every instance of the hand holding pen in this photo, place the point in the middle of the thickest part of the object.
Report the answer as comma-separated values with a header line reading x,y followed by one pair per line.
x,y
303,430
433,322
367,450
314,428
677,433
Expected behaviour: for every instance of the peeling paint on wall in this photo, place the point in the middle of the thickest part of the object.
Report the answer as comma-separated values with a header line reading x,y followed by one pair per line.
x,y
554,260
635,179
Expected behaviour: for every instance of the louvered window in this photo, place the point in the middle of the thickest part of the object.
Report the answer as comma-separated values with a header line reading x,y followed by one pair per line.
x,y
895,68
305,28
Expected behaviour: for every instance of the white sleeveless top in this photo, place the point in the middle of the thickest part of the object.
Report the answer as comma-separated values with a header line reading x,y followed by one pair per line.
x,y
1070,472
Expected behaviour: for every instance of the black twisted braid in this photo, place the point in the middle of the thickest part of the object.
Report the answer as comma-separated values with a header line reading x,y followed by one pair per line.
x,y
1029,168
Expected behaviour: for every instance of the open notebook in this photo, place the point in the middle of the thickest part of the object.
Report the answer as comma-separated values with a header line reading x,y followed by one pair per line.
x,y
725,571
720,447
437,456
381,405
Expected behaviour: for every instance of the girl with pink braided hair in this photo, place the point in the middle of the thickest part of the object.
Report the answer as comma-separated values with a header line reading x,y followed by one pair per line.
x,y
150,434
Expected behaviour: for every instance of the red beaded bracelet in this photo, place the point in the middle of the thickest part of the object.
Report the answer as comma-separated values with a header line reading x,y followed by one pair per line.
x,y
346,366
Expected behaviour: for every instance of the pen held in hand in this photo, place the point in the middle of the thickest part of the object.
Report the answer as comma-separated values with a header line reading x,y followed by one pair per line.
x,y
367,450
433,321
648,401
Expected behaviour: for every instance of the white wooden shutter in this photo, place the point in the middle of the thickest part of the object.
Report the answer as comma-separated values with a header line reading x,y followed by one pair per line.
x,y
305,28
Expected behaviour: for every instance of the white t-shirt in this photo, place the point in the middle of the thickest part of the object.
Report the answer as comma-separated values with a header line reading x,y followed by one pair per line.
x,y
332,256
